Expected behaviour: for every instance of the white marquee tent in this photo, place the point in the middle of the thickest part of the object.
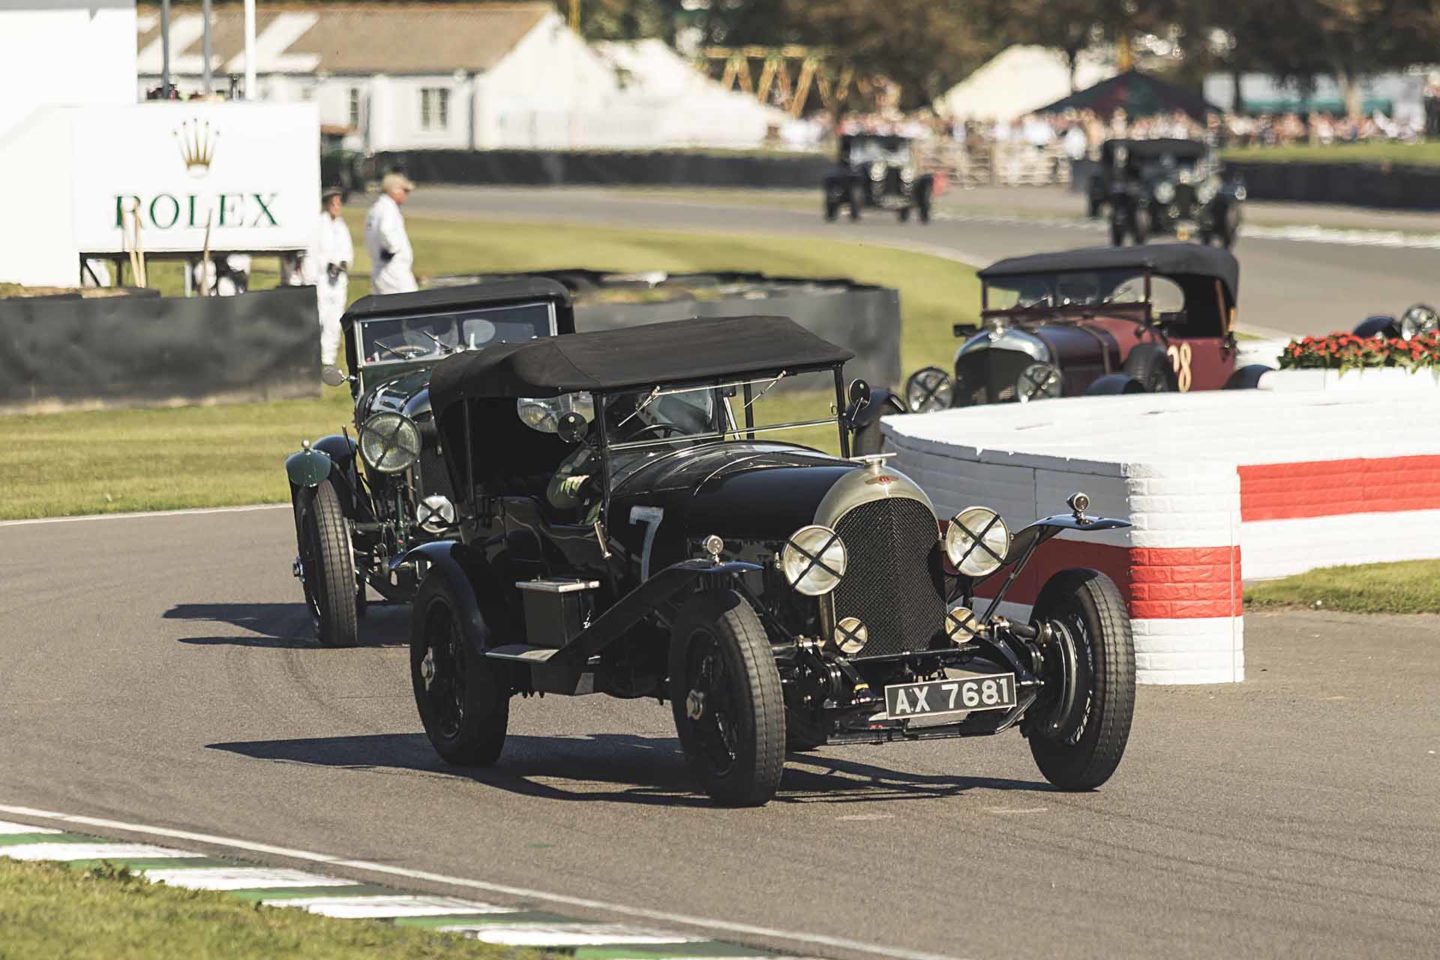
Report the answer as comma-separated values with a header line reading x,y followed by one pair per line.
x,y
1017,80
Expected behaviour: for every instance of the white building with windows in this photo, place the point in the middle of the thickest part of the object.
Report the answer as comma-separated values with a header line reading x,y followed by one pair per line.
x,y
455,75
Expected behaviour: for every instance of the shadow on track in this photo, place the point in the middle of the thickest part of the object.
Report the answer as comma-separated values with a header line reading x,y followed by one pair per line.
x,y
618,768
286,625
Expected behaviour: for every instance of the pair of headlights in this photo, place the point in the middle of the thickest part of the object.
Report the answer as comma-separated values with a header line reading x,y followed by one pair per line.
x,y
814,559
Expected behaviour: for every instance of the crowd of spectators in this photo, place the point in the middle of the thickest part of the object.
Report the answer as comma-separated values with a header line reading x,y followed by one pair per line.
x,y
1079,133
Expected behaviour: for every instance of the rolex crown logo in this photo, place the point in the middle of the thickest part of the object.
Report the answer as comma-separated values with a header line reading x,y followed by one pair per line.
x,y
197,146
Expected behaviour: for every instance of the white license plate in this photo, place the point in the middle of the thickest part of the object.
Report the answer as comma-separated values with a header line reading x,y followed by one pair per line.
x,y
907,701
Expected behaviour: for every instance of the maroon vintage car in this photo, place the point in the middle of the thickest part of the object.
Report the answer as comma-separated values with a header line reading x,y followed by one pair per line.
x,y
1101,320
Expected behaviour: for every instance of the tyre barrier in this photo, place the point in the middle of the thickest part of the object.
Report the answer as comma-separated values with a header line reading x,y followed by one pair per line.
x,y
58,352
1217,486
673,168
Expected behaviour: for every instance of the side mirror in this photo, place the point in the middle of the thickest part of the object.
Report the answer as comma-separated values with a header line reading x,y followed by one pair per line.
x,y
333,376
859,399
572,428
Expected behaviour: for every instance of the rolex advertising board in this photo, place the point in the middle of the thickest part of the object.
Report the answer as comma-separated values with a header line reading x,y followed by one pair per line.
x,y
249,173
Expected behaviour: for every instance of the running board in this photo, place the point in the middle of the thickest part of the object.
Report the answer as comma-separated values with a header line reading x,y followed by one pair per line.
x,y
522,652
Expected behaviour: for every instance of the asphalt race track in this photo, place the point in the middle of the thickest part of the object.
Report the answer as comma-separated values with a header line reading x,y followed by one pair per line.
x,y
159,670
1372,261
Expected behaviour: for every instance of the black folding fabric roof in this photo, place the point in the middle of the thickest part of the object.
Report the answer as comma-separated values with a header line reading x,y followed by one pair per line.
x,y
1167,259
458,298
1138,94
1160,147
636,356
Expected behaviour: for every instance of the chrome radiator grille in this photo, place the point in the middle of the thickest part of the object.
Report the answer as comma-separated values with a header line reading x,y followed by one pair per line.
x,y
892,582
988,376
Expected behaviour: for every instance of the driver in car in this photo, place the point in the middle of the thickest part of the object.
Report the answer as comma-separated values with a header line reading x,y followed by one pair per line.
x,y
630,417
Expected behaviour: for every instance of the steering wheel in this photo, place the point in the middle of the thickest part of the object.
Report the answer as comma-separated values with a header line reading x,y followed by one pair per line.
x,y
405,351
670,428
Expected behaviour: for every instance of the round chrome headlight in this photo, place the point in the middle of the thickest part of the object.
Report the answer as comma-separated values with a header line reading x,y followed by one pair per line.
x,y
1207,189
977,541
927,390
435,514
1418,321
539,413
907,174
1038,381
1164,191
851,636
813,560
877,171
389,442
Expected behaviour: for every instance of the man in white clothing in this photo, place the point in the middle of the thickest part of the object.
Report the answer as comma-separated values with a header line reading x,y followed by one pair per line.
x,y
327,267
391,259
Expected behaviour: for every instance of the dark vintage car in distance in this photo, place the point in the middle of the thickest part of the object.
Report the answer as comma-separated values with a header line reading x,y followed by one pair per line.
x,y
1418,320
878,172
1165,187
630,524
361,503
1100,320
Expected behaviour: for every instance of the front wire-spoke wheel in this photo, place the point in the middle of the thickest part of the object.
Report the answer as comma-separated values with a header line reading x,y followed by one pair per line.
x,y
727,700
1080,726
463,697
327,566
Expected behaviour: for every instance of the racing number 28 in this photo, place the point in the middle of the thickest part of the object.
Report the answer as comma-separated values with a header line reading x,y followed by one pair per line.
x,y
1180,356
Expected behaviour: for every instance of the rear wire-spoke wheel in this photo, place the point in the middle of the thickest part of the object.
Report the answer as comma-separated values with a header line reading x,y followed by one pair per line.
x,y
1079,727
327,566
727,700
462,696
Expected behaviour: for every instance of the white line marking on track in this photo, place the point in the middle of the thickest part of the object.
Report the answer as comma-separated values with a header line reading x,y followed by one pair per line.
x,y
145,514
239,878
7,828
92,851
383,906
656,916
565,934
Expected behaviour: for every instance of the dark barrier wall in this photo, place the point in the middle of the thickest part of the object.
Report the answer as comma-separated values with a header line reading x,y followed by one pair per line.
x,y
57,351
557,167
866,320
1363,185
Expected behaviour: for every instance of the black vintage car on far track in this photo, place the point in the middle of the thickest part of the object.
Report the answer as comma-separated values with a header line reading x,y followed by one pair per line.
x,y
877,171
1166,188
631,524
362,502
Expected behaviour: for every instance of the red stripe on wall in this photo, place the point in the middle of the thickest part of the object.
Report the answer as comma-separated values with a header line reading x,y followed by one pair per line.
x,y
1157,582
1283,491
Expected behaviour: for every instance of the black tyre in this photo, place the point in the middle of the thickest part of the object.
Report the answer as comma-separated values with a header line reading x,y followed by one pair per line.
x,y
1149,365
832,206
463,696
1229,230
726,696
1117,229
1247,377
1079,728
857,200
903,214
327,566
1140,224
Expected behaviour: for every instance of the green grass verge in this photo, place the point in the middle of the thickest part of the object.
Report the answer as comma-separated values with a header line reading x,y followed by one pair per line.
x,y
1409,154
119,461
49,911
1411,586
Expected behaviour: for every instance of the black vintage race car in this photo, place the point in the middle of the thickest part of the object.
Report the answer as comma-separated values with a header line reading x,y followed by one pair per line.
x,y
1418,320
877,171
1095,321
361,503
1166,187
628,526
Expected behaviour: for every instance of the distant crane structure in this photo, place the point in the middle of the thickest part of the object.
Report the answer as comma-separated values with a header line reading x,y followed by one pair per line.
x,y
786,76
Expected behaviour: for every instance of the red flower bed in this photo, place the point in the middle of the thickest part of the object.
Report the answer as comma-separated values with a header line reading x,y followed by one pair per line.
x,y
1345,351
